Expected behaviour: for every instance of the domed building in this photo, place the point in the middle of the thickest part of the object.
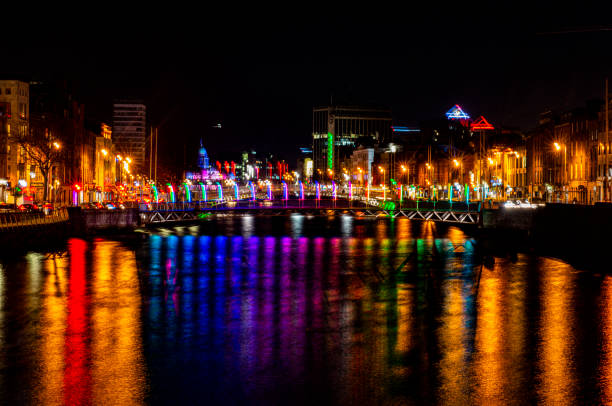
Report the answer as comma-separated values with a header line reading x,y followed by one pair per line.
x,y
203,158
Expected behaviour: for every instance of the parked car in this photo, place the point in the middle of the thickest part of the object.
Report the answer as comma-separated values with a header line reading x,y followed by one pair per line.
x,y
7,206
29,208
48,208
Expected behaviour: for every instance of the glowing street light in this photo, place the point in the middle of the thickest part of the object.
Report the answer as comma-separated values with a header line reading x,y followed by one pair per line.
x,y
557,146
104,152
381,169
57,145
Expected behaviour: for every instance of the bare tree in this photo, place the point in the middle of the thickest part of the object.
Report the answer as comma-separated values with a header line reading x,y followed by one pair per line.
x,y
43,148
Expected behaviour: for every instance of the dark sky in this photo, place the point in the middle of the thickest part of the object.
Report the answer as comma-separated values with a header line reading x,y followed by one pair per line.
x,y
259,71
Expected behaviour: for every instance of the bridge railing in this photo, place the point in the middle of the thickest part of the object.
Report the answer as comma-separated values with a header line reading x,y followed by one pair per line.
x,y
341,202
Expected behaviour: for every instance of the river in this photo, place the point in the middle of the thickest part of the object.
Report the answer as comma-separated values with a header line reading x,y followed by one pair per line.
x,y
300,310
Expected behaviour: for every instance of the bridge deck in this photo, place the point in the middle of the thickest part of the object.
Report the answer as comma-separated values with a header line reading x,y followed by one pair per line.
x,y
442,211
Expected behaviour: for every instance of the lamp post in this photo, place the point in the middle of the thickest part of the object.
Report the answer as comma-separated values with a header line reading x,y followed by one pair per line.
x,y
380,168
564,175
57,147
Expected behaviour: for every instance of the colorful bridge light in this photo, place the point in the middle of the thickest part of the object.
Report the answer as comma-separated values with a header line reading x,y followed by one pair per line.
x,y
317,190
203,189
187,192
220,191
334,189
269,191
285,191
301,191
236,194
171,190
252,188
350,190
155,193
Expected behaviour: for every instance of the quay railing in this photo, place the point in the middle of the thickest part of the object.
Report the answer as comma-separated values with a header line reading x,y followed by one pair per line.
x,y
13,221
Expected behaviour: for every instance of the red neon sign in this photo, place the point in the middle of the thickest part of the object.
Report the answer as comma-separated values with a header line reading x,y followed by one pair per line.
x,y
481,124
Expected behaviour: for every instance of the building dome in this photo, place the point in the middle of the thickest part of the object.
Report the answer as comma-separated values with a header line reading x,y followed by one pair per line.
x,y
203,158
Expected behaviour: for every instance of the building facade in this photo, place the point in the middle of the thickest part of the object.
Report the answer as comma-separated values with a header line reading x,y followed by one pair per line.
x,y
129,132
564,159
15,112
338,130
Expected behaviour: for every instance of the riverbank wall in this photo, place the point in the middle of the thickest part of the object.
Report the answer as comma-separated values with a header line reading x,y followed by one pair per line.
x,y
103,221
579,234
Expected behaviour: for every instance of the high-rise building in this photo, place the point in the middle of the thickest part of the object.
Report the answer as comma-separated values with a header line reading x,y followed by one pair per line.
x,y
338,130
129,131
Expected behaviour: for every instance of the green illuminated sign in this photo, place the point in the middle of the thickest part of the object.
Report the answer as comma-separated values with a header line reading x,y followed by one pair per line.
x,y
389,206
330,151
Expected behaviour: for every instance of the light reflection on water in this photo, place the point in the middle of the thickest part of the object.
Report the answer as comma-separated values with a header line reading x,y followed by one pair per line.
x,y
301,310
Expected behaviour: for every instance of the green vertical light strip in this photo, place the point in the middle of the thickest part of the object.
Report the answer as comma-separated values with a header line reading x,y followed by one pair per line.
x,y
330,151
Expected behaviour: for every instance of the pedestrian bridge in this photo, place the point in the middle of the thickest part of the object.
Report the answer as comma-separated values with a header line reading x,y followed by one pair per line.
x,y
440,211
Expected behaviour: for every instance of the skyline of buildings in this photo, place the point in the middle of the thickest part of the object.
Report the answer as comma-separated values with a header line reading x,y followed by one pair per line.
x,y
563,158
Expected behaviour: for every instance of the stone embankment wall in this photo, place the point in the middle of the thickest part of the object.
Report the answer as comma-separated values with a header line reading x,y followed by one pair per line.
x,y
88,221
581,234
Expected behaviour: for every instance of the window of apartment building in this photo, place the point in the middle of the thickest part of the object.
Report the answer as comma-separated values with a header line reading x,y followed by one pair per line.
x,y
7,90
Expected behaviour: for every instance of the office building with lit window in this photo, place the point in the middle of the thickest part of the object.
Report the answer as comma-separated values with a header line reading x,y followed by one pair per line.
x,y
129,131
338,130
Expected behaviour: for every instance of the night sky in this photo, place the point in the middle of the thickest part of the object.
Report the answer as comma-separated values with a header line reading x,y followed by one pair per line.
x,y
259,71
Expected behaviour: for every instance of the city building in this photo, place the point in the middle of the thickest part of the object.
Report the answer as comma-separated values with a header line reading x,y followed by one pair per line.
x,y
129,131
361,165
603,153
305,165
58,116
338,130
14,123
564,156
104,179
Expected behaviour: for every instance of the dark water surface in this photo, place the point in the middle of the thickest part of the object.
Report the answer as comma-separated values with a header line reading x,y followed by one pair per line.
x,y
297,310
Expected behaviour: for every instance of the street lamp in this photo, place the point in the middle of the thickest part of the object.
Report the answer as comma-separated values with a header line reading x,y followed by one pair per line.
x,y
558,148
380,169
404,170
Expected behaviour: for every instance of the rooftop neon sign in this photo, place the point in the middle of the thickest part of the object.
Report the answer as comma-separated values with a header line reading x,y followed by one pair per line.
x,y
481,124
457,113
